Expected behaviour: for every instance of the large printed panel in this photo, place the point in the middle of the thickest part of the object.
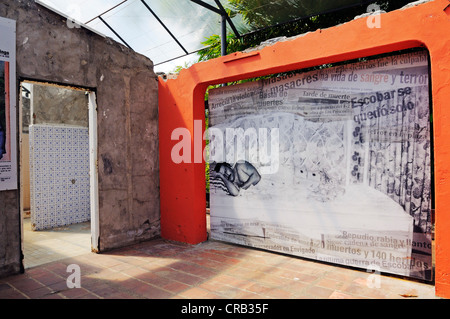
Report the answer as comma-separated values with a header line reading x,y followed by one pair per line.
x,y
331,164
8,144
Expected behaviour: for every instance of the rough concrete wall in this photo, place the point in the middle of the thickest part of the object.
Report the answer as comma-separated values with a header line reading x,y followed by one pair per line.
x,y
10,255
126,89
57,105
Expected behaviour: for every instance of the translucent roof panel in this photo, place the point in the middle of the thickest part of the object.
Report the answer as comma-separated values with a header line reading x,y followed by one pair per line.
x,y
166,30
81,10
163,30
102,28
189,22
139,28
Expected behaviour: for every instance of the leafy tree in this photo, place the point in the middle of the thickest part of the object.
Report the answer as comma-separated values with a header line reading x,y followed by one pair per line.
x,y
267,20
258,14
213,47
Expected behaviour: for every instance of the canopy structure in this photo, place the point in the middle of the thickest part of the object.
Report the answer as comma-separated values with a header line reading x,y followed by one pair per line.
x,y
168,31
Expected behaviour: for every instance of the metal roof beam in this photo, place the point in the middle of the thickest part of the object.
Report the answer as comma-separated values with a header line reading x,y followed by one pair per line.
x,y
114,31
208,6
164,26
221,11
224,18
228,18
98,16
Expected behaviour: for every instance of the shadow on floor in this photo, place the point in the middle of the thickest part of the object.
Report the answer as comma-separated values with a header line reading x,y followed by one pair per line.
x,y
44,246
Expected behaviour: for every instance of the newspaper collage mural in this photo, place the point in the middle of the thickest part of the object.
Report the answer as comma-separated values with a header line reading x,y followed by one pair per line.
x,y
8,164
331,164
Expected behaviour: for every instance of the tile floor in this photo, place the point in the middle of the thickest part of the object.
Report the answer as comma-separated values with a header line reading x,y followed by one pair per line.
x,y
45,246
161,269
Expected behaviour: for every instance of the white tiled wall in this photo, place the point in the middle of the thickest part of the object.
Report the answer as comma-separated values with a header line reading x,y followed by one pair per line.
x,y
59,173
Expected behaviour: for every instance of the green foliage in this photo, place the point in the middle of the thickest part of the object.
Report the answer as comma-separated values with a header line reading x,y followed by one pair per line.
x,y
267,20
213,46
178,68
258,14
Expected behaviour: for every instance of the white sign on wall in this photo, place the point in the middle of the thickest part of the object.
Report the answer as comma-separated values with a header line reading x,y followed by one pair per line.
x,y
331,164
8,144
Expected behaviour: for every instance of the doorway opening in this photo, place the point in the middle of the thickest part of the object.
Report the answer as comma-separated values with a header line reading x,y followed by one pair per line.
x,y
58,186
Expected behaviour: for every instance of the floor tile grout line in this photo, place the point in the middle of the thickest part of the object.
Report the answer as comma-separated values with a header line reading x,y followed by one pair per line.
x,y
17,290
54,291
148,284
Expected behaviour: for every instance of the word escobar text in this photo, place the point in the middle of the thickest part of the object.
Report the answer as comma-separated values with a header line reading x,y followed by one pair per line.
x,y
385,106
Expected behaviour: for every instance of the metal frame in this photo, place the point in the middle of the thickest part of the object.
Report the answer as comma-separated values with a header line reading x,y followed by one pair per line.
x,y
114,31
225,18
220,10
164,26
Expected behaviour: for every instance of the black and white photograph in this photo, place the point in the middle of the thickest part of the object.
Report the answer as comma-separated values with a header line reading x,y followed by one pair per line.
x,y
350,172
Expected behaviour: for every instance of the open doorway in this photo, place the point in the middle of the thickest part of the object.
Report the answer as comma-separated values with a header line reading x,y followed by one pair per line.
x,y
55,172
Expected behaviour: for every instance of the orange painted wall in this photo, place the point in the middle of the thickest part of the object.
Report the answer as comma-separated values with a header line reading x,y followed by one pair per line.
x,y
182,186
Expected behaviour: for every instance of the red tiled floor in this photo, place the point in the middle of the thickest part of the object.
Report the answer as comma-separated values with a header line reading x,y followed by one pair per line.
x,y
160,269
